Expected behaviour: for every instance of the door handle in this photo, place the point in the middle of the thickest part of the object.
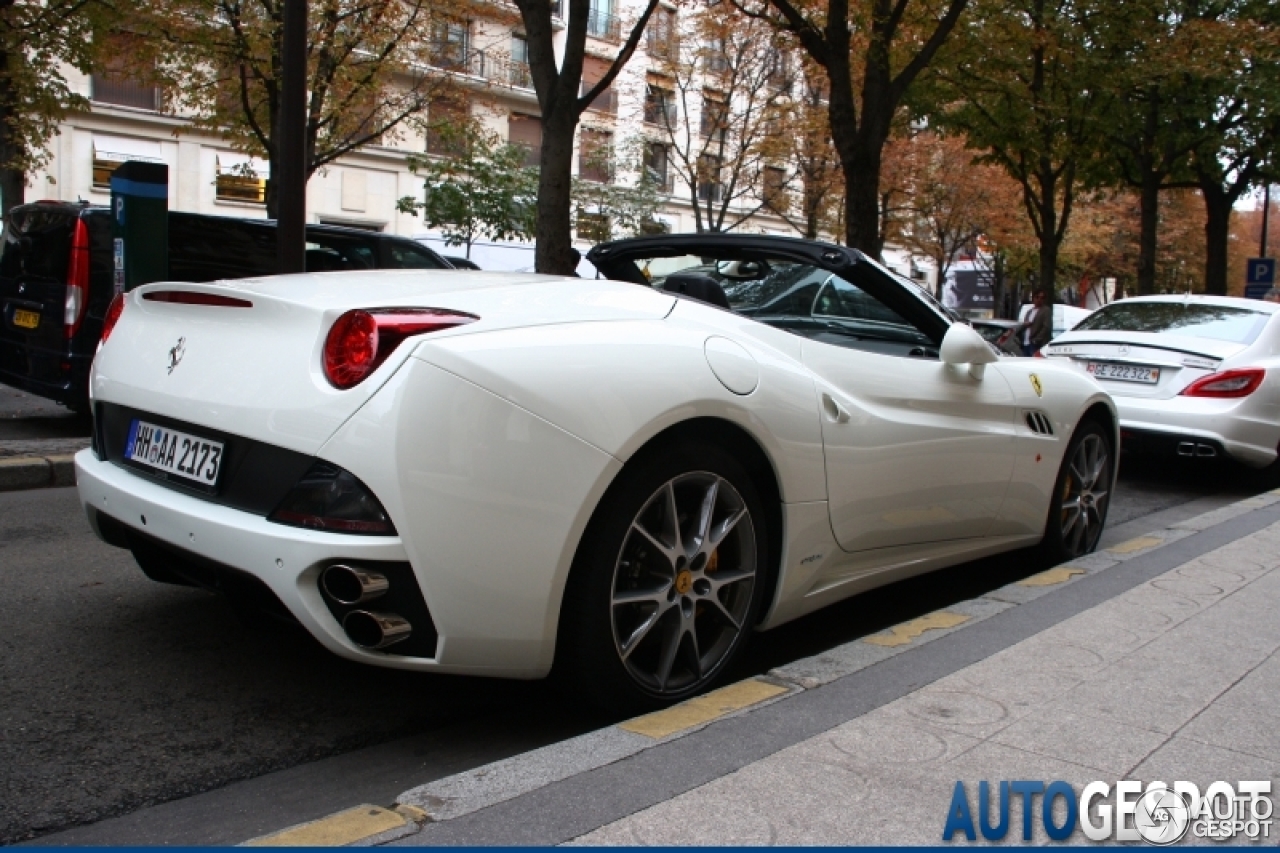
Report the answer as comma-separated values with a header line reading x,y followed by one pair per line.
x,y
835,413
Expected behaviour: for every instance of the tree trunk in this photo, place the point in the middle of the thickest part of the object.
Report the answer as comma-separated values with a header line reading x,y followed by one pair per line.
x,y
13,182
553,245
1150,220
1217,233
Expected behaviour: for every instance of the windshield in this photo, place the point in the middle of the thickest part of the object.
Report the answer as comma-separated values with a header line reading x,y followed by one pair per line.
x,y
795,296
1192,319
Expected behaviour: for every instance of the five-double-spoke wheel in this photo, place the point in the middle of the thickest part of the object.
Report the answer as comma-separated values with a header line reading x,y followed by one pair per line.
x,y
667,583
1082,493
683,583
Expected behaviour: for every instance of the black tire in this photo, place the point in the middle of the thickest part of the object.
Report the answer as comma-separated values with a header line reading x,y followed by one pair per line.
x,y
1081,494
648,618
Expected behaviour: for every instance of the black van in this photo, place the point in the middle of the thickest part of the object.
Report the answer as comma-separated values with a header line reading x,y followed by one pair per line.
x,y
56,282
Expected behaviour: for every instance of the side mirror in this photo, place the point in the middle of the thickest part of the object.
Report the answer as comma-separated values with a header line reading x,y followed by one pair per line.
x,y
962,345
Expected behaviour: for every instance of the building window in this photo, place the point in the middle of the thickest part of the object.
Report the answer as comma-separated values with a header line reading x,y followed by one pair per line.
x,y
659,105
775,189
450,44
518,73
714,115
593,70
593,226
595,156
239,179
526,131
120,84
715,55
602,23
657,165
102,169
709,186
445,119
779,71
660,40
109,152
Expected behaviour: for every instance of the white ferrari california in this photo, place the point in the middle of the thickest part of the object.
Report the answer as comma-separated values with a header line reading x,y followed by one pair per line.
x,y
495,474
1194,375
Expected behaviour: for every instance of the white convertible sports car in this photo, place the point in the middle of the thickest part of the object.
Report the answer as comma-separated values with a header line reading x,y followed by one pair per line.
x,y
493,473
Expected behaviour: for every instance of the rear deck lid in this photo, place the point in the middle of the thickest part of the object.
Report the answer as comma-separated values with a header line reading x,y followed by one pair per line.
x,y
251,363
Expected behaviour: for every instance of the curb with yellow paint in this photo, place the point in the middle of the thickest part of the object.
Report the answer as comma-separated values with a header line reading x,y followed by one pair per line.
x,y
901,635
704,709
1134,545
345,827
1052,577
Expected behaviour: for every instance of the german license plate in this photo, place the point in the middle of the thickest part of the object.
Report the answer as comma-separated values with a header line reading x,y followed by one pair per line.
x,y
26,319
1124,372
173,452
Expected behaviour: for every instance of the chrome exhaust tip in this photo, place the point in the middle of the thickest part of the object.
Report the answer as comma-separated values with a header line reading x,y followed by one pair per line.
x,y
346,585
1186,448
370,630
1206,451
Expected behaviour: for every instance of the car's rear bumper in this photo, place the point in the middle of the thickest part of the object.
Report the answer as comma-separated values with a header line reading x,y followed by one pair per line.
x,y
209,537
1246,429
60,373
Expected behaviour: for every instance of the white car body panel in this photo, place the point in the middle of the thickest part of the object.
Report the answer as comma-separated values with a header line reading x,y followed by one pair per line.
x,y
1246,428
489,445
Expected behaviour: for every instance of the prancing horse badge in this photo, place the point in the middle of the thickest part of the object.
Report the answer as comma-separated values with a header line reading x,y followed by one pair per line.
x,y
1035,383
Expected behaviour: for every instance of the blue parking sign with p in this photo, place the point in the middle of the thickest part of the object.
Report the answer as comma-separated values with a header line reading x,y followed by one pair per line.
x,y
1260,276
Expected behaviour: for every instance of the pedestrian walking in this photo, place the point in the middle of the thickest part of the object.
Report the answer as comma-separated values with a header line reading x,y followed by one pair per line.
x,y
1037,329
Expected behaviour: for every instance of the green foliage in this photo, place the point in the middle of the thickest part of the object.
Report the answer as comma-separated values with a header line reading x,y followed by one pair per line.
x,y
482,190
38,37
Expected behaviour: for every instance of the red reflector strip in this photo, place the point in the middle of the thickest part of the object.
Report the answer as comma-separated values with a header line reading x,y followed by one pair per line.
x,y
194,297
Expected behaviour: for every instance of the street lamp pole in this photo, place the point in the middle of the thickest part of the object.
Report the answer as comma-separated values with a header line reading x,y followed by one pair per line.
x,y
1266,212
291,159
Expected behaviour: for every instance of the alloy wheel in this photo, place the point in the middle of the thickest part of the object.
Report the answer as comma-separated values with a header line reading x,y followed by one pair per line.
x,y
683,583
1085,492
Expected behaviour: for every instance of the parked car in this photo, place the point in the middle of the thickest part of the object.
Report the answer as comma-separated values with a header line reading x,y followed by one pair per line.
x,y
498,473
1192,375
1001,333
461,263
56,279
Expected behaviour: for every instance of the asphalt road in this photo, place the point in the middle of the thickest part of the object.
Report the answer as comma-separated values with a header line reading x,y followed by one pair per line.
x,y
120,693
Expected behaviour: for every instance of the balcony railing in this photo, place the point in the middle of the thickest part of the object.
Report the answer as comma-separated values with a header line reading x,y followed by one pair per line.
x,y
123,92
603,25
496,69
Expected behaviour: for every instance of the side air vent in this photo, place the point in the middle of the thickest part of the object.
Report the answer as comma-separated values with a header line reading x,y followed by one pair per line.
x,y
1039,423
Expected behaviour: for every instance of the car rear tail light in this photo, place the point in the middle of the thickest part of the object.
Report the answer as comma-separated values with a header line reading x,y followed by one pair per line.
x,y
193,297
1240,382
361,340
114,310
77,279
331,498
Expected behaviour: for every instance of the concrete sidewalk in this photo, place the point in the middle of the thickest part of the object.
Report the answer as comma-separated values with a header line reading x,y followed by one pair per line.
x,y
1176,679
1154,660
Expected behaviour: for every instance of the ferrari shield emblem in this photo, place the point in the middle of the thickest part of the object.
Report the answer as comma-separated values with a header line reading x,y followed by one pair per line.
x,y
1035,383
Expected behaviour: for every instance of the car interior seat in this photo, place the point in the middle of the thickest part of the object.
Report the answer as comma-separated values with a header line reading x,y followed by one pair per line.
x,y
698,286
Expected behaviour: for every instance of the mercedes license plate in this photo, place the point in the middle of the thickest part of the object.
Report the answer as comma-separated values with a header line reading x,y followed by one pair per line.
x,y
1124,372
26,319
173,452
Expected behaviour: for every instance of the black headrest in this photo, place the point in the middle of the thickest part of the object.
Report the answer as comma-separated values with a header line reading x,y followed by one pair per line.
x,y
697,285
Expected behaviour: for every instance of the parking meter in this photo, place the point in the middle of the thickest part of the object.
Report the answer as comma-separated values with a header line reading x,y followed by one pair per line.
x,y
140,213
